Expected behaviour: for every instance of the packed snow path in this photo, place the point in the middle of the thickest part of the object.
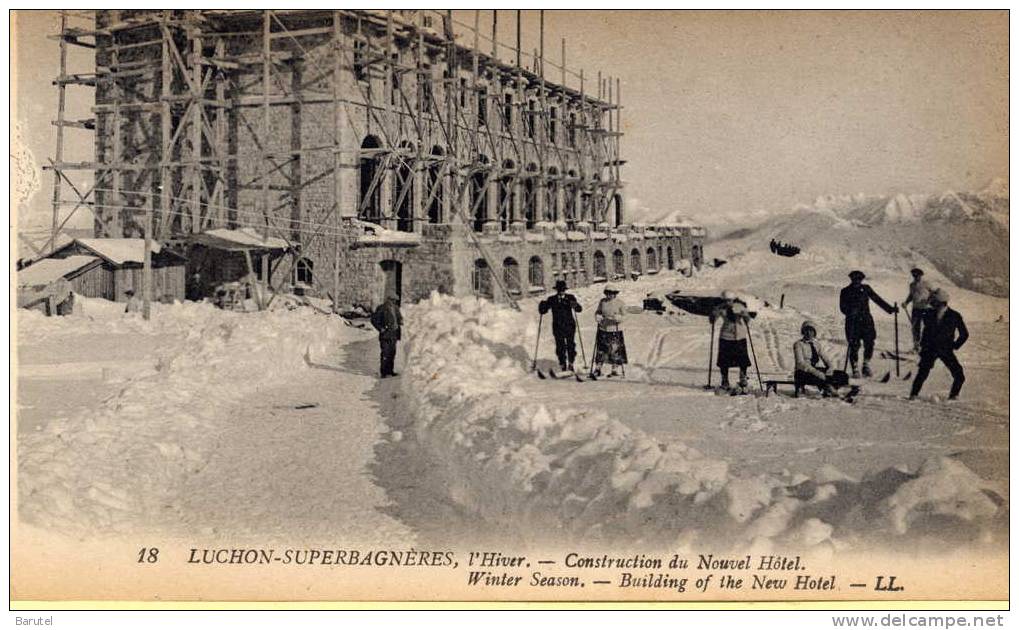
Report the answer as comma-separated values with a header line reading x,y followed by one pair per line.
x,y
295,462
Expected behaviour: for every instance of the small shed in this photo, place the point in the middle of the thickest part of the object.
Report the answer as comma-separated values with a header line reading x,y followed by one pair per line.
x,y
223,255
109,267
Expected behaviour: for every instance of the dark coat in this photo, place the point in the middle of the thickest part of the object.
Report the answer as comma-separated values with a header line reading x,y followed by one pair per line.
x,y
387,320
563,307
940,337
854,301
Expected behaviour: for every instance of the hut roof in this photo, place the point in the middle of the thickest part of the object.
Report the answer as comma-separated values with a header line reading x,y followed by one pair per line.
x,y
48,270
238,240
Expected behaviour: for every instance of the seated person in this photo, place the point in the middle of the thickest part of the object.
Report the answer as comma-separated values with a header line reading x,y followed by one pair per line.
x,y
812,364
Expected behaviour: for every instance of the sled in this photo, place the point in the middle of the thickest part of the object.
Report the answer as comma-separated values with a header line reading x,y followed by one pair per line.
x,y
697,304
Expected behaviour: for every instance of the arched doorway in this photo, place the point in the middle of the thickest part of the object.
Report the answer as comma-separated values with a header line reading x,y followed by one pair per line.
x,y
635,263
671,260
652,260
392,270
371,176
698,256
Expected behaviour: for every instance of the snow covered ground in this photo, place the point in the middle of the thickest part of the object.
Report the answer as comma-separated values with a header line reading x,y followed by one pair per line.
x,y
273,425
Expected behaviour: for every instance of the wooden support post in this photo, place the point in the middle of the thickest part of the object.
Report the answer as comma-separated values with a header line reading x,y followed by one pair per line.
x,y
337,149
266,129
147,263
166,140
196,129
61,104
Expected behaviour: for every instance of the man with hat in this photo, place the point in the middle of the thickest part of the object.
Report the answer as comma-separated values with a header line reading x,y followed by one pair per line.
x,y
564,323
610,347
944,332
854,302
919,294
388,320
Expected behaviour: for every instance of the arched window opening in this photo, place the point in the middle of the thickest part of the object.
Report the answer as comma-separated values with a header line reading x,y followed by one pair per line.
x,y
304,272
403,192
435,194
652,260
536,273
618,264
635,263
483,279
511,276
670,260
372,175
600,272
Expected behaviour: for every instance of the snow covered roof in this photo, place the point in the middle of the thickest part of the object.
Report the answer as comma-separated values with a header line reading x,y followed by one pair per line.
x,y
47,270
239,239
118,250
374,234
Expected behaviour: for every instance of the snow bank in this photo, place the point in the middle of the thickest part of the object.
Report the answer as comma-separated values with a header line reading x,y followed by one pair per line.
x,y
580,475
120,467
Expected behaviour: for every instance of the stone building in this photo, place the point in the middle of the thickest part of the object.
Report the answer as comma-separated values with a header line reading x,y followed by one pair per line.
x,y
393,150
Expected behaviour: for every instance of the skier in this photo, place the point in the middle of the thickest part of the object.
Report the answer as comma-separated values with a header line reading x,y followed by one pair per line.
x,y
919,294
564,324
610,347
854,302
732,339
812,364
387,320
940,342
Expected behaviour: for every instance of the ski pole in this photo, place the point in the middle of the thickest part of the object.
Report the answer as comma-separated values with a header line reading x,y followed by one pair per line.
x,y
534,364
757,366
896,312
583,355
711,352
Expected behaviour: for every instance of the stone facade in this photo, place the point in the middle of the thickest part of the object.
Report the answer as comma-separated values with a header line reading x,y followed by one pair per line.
x,y
474,170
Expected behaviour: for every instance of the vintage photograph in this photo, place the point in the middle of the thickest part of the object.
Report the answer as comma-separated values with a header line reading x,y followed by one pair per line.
x,y
509,305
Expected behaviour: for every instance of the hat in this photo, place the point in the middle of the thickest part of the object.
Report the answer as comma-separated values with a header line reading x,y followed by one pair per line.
x,y
729,295
940,296
856,273
808,324
916,271
611,289
560,284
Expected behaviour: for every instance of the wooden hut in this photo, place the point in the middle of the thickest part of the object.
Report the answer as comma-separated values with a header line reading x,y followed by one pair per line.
x,y
108,268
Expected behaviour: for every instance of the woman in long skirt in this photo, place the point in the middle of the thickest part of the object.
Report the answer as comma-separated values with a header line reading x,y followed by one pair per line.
x,y
732,340
610,347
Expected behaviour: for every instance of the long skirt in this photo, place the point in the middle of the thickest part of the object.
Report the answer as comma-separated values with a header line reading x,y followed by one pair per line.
x,y
610,347
732,353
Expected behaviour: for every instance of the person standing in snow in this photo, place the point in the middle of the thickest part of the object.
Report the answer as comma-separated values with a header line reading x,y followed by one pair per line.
x,y
388,321
134,305
812,364
944,332
732,339
854,302
919,295
564,323
610,347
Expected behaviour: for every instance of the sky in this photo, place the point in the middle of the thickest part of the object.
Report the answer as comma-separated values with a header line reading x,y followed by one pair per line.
x,y
727,115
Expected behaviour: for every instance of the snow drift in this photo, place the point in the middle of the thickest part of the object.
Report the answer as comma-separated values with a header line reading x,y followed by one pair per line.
x,y
120,467
582,476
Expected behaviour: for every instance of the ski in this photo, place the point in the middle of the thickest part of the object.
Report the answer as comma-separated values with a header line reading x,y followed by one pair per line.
x,y
540,374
